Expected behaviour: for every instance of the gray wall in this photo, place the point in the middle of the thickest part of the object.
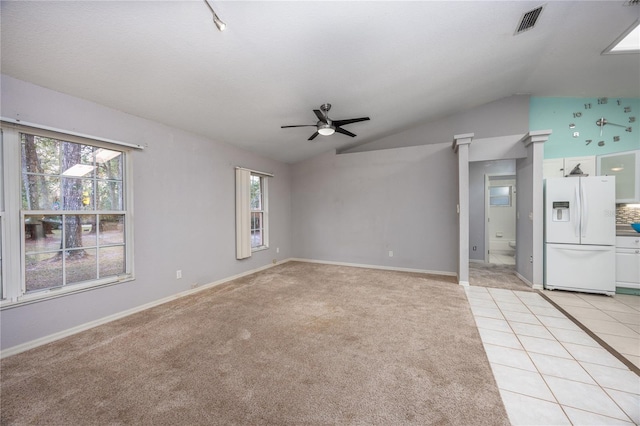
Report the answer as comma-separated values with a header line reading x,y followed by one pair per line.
x,y
184,211
507,116
355,208
477,171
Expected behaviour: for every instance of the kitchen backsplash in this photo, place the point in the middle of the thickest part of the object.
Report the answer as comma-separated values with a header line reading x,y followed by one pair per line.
x,y
626,214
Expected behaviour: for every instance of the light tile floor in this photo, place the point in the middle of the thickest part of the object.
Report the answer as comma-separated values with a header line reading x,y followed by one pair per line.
x,y
616,320
548,370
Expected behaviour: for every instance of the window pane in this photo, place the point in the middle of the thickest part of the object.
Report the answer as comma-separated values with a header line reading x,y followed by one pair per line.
x,y
43,271
42,233
81,265
109,164
110,195
40,155
256,193
111,229
88,223
256,229
499,191
112,261
77,194
40,192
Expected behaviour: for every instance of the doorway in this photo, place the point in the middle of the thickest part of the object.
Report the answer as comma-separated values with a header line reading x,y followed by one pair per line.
x,y
500,213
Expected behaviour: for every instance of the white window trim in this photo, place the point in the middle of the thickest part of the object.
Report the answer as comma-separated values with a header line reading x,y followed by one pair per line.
x,y
13,253
265,213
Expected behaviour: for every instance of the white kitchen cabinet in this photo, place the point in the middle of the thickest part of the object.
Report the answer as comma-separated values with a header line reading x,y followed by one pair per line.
x,y
625,166
628,262
560,167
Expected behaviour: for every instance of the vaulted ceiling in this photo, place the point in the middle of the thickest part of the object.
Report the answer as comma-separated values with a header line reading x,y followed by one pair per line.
x,y
400,63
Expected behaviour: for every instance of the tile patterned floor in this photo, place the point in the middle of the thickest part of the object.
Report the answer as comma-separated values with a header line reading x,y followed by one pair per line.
x,y
549,371
616,320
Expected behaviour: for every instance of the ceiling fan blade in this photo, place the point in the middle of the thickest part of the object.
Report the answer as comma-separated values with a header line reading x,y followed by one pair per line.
x,y
313,136
349,121
345,132
320,115
301,125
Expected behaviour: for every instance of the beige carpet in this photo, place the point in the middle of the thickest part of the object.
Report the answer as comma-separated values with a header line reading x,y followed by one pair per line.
x,y
496,276
298,344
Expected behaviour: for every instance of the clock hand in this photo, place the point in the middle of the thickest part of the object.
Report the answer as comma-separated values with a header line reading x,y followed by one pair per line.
x,y
601,123
614,124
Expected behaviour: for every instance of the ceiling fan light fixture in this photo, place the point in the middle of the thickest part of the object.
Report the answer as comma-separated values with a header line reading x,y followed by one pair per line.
x,y
326,129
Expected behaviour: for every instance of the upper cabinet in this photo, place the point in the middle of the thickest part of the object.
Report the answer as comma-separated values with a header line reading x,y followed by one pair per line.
x,y
559,167
625,166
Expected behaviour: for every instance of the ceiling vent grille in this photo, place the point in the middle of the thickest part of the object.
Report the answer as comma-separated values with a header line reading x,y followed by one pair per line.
x,y
529,20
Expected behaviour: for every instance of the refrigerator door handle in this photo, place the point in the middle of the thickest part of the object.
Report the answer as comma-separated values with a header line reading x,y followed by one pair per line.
x,y
576,213
585,211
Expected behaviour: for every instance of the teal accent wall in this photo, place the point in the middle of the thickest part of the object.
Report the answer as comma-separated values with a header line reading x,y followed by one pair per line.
x,y
558,114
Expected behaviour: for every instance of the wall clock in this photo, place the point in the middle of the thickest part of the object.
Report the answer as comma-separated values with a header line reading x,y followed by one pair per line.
x,y
603,121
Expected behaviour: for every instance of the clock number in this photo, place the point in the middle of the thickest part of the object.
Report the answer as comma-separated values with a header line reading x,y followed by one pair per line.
x,y
587,106
628,129
601,143
627,109
602,101
577,114
588,141
616,138
632,119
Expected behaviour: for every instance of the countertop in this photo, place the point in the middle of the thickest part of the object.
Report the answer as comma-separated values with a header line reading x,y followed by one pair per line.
x,y
626,231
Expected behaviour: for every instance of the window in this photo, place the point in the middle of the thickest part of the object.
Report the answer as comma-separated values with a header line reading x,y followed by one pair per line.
x,y
73,213
252,214
258,223
500,196
66,225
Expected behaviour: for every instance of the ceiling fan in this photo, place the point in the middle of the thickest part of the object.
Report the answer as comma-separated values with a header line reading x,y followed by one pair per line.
x,y
325,126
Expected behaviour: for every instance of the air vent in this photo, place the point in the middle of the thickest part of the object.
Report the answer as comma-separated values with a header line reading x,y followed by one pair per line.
x,y
529,20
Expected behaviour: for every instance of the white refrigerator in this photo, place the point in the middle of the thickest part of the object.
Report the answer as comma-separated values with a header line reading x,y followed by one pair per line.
x,y
580,234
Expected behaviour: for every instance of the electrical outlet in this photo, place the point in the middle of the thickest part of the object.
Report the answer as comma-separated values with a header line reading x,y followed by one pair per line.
x,y
390,253
275,261
530,259
178,274
277,249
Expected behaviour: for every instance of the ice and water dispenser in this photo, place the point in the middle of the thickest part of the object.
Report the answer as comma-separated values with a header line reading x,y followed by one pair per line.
x,y
560,211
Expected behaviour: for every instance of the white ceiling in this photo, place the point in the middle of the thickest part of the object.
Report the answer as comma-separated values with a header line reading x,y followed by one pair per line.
x,y
400,63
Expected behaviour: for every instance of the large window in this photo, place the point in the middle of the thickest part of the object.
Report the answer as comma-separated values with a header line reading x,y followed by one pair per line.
x,y
64,214
73,213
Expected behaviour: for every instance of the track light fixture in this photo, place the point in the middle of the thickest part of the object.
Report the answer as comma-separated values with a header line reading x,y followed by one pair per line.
x,y
221,25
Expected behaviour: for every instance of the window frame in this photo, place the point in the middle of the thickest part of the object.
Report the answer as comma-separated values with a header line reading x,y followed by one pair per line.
x,y
13,218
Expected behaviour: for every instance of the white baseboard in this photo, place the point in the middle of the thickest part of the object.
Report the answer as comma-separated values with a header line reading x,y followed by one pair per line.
x,y
529,283
91,324
386,268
